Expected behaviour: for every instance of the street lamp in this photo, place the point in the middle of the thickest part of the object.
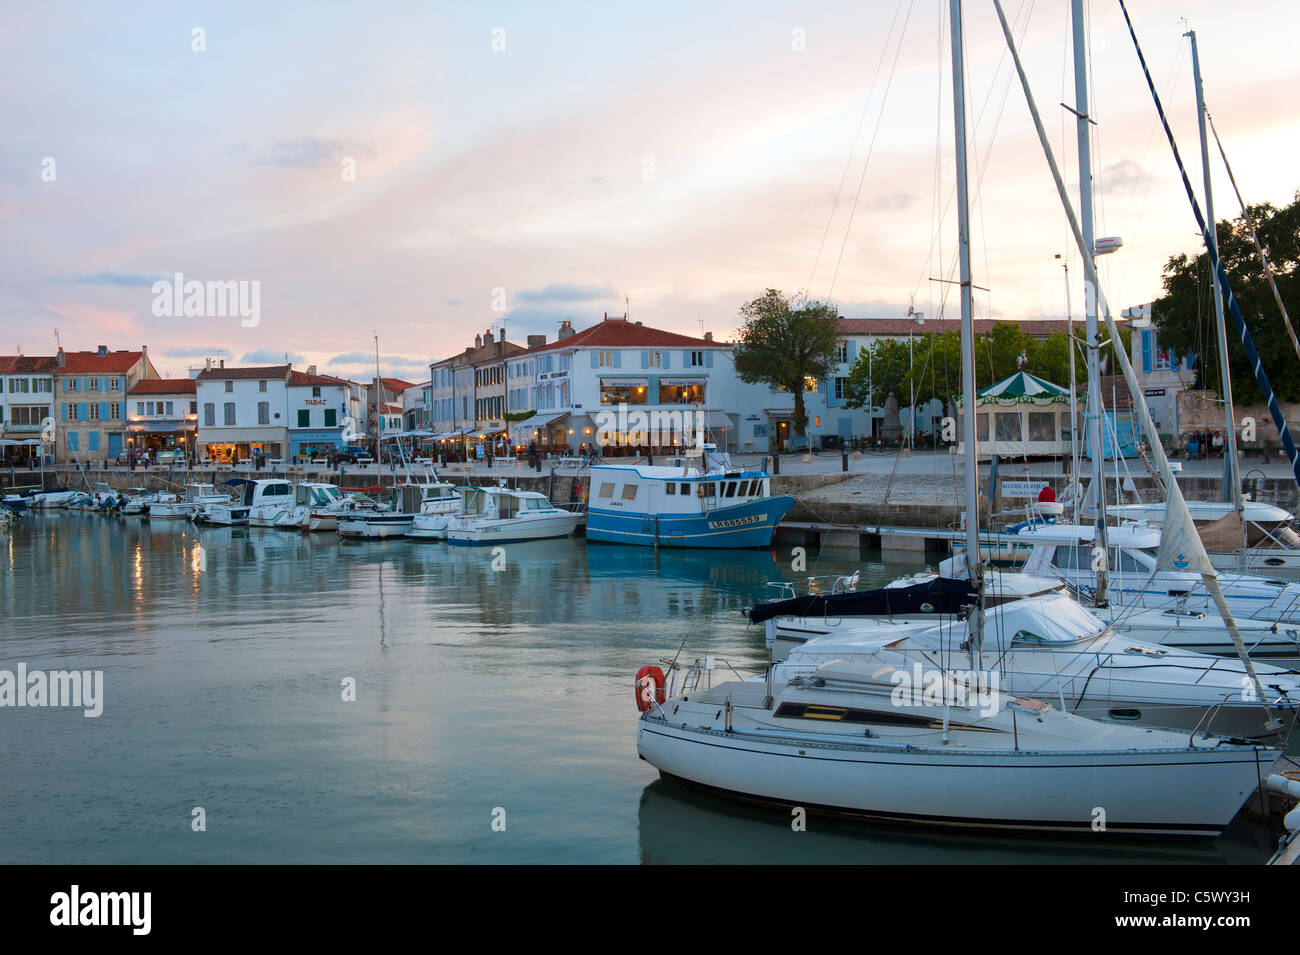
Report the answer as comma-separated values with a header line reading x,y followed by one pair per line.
x,y
918,318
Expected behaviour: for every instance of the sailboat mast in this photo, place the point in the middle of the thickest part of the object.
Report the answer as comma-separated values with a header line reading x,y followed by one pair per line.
x,y
1231,484
973,561
1074,400
379,418
1097,457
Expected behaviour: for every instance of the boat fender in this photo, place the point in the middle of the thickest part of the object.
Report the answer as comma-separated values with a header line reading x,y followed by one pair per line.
x,y
649,687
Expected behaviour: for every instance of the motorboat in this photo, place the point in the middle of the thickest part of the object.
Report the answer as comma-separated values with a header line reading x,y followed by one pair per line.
x,y
441,502
390,519
170,506
502,515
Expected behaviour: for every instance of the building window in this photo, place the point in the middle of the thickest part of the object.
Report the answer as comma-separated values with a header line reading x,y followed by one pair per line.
x,y
304,418
229,409
209,415
194,408
842,352
94,411
618,395
697,359
263,412
810,385
261,386
230,387
331,418
139,407
115,411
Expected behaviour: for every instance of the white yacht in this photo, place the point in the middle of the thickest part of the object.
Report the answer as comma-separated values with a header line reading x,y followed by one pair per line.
x,y
1266,544
441,502
138,500
1051,648
169,506
502,515
391,519
841,740
311,499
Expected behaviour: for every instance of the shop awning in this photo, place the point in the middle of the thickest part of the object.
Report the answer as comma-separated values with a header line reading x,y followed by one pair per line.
x,y
542,420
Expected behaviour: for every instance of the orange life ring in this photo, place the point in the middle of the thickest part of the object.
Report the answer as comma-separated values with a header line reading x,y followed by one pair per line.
x,y
654,674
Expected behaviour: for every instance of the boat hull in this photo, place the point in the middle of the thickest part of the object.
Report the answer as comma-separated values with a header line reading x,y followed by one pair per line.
x,y
1185,793
750,524
512,531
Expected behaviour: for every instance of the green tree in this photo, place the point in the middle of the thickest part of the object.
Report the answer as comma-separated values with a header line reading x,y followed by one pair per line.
x,y
784,341
1184,315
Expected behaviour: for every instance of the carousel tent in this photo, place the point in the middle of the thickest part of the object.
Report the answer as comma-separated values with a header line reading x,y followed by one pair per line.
x,y
1022,416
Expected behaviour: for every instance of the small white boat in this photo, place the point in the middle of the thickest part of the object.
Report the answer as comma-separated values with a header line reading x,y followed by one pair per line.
x,y
169,506
441,502
138,500
393,519
500,515
53,499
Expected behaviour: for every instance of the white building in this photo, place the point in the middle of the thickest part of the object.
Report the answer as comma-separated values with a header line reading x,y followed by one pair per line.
x,y
243,411
1160,373
317,409
26,400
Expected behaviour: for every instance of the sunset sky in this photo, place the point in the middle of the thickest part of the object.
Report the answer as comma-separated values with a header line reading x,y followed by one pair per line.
x,y
685,156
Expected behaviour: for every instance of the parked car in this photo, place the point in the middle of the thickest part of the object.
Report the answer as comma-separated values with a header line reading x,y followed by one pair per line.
x,y
832,442
350,454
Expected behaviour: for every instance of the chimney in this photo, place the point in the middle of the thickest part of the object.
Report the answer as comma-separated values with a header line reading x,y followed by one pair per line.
x,y
478,341
536,341
222,363
708,336
487,337
502,336
59,359
144,351
311,369
566,329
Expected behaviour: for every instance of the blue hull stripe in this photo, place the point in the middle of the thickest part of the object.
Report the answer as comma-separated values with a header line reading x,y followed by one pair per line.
x,y
693,530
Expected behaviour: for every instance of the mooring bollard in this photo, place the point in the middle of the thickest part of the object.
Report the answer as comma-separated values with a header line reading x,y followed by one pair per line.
x,y
776,464
844,460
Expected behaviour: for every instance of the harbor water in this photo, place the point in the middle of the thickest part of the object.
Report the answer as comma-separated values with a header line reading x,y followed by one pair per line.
x,y
493,718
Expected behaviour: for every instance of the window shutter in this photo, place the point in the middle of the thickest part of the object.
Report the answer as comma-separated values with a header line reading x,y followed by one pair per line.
x,y
1146,351
103,411
686,359
595,359
645,359
82,414
667,358
618,359
63,408
708,358
853,351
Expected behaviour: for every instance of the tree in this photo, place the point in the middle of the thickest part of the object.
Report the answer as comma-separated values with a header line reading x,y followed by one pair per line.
x,y
785,341
1184,315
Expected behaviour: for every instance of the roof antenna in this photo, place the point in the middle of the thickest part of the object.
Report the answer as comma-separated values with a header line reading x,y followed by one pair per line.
x,y
57,341
627,307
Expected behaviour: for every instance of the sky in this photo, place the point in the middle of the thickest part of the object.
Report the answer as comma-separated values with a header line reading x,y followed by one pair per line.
x,y
425,171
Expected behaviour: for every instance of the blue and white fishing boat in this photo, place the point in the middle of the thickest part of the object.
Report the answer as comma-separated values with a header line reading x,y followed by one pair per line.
x,y
696,500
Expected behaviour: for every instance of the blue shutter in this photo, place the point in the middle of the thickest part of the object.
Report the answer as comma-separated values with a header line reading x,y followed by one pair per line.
x,y
1146,351
645,359
853,354
72,440
595,359
686,359
103,411
618,359
92,441
63,409
668,358
1190,360
708,358
82,414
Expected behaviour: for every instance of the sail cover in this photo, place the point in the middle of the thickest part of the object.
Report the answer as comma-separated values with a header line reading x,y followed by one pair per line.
x,y
942,595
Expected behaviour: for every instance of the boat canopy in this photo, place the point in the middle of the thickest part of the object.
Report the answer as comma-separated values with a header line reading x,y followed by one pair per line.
x,y
944,595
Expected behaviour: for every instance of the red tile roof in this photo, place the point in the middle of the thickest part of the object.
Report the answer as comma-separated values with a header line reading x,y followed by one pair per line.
x,y
301,378
389,408
265,371
77,362
620,333
164,386
395,386
26,364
